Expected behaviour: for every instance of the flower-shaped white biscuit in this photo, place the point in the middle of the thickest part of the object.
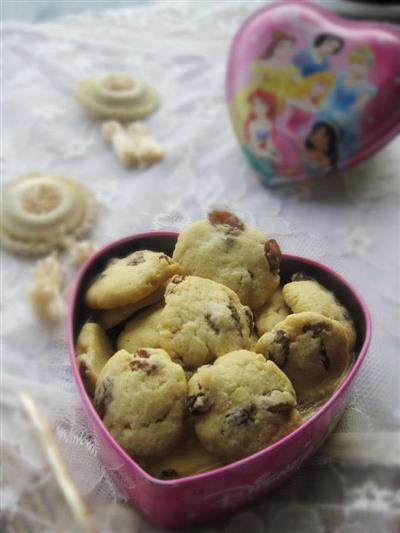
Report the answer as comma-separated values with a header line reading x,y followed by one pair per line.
x,y
39,210
118,96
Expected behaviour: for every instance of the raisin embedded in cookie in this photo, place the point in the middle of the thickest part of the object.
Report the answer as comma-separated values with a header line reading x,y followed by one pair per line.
x,y
141,330
93,350
226,250
308,295
241,404
141,400
202,320
128,280
274,311
312,350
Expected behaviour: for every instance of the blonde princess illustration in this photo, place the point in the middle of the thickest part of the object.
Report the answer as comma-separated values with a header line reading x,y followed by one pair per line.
x,y
305,101
274,70
259,145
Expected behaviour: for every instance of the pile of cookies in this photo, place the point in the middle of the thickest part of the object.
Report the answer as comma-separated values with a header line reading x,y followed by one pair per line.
x,y
202,358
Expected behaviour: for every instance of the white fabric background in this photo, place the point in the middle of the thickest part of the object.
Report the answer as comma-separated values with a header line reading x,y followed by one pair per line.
x,y
350,222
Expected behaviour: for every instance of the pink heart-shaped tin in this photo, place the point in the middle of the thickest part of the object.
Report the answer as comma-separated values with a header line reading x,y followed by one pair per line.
x,y
190,500
310,92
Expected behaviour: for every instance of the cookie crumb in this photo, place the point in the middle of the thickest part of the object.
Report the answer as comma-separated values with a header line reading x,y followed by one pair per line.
x,y
45,289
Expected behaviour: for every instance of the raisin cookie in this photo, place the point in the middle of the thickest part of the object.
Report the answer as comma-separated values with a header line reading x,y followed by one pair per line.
x,y
274,311
141,330
93,349
224,249
141,400
241,404
309,295
312,350
202,320
112,317
188,457
128,280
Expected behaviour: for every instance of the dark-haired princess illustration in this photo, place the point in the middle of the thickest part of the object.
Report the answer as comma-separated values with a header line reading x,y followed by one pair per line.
x,y
316,155
259,145
318,58
345,104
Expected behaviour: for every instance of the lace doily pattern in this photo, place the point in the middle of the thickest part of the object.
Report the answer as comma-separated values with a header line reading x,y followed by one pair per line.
x,y
349,221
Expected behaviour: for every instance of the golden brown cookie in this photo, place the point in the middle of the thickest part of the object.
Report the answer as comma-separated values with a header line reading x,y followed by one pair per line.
x,y
274,311
93,350
112,317
202,320
129,280
241,403
309,295
228,251
313,352
141,330
141,400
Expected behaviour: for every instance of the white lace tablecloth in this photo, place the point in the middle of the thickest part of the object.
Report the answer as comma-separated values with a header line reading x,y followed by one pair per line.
x,y
350,222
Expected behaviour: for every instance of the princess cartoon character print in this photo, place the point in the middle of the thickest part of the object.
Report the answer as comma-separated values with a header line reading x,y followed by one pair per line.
x,y
302,101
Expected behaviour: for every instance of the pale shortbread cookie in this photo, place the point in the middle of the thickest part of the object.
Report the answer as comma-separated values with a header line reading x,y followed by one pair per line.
x,y
112,317
93,350
133,145
128,280
312,350
202,320
117,96
141,330
141,399
225,250
274,311
309,295
40,210
241,404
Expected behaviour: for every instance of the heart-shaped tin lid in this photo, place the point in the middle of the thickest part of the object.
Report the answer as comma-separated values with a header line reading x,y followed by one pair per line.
x,y
310,92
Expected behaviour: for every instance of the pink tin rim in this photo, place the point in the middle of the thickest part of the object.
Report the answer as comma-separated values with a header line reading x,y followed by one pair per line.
x,y
190,479
332,17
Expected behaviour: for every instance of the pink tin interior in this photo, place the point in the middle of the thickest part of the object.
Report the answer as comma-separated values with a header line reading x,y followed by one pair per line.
x,y
161,501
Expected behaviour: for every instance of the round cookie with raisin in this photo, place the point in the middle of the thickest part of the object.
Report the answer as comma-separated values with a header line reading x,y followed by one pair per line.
x,y
93,350
141,399
240,404
202,320
274,311
130,279
312,350
141,330
306,294
228,251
